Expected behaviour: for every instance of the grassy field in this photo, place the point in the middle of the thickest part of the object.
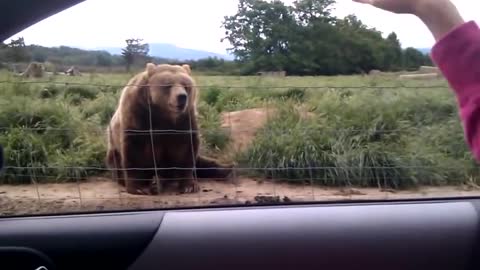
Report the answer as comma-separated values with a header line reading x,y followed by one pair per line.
x,y
359,131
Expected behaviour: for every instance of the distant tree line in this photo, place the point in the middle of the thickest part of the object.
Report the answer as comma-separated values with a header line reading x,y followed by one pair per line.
x,y
306,39
17,52
134,55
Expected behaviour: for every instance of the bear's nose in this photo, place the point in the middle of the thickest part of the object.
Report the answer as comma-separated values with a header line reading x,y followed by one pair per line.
x,y
181,100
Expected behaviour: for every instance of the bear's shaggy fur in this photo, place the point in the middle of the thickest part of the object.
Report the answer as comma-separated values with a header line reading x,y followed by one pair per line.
x,y
155,126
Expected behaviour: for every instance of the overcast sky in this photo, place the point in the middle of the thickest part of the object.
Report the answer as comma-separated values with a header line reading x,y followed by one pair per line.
x,y
194,24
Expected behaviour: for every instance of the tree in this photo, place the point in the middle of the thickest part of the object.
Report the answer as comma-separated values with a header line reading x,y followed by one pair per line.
x,y
39,56
413,58
17,51
134,51
308,12
427,60
393,53
305,39
260,33
104,59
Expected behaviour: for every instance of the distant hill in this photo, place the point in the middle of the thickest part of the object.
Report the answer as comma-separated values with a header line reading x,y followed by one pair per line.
x,y
170,51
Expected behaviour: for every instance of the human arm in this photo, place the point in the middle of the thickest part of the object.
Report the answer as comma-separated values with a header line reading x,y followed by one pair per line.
x,y
440,16
456,53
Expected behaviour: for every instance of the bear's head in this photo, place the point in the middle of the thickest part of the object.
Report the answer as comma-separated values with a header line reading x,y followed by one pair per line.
x,y
171,88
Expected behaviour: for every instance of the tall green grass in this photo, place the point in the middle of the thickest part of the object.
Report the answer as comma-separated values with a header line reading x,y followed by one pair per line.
x,y
396,138
53,130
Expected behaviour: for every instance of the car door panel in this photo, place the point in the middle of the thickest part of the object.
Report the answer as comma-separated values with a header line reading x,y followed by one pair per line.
x,y
401,236
396,235
107,241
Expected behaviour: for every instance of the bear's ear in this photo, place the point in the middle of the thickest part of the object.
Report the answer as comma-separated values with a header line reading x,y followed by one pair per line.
x,y
187,69
150,69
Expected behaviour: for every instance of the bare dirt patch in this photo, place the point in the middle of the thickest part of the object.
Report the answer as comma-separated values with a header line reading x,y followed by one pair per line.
x,y
102,194
243,125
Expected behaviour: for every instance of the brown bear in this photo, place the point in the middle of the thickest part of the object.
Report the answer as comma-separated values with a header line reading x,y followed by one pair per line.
x,y
154,133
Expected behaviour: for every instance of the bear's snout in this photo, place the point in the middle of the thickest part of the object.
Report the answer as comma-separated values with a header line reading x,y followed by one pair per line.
x,y
182,101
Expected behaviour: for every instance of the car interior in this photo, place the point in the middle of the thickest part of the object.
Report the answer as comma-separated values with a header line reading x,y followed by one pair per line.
x,y
403,234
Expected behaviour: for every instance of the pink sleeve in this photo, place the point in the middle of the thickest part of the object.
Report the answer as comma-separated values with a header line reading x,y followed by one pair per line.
x,y
457,55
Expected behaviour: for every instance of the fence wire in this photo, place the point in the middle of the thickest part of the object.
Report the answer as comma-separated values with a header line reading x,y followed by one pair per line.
x,y
263,87
306,167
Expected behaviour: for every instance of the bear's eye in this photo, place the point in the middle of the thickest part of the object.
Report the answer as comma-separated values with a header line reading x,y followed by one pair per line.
x,y
165,87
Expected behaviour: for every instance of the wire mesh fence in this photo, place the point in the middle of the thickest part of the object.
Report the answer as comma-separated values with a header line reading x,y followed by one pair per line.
x,y
285,143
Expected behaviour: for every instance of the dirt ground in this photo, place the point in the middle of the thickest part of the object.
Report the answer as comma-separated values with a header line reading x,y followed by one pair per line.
x,y
102,194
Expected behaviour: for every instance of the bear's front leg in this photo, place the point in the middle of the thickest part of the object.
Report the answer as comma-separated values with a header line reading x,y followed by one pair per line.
x,y
113,163
136,185
137,176
188,183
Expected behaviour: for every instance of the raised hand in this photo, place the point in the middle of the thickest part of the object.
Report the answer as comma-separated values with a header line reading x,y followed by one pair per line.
x,y
440,16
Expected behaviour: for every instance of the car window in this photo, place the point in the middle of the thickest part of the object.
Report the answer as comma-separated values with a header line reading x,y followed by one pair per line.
x,y
254,102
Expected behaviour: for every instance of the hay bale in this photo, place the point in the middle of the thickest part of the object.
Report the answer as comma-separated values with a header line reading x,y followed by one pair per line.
x,y
420,76
374,72
35,70
272,73
73,71
428,70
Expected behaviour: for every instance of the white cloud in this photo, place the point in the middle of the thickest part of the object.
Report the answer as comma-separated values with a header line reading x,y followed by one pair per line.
x,y
192,23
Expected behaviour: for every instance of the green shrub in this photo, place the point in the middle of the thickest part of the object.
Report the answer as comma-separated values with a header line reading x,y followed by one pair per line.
x,y
85,158
294,94
367,140
24,150
76,95
15,88
236,99
214,137
38,133
53,120
50,92
101,109
32,156
212,95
